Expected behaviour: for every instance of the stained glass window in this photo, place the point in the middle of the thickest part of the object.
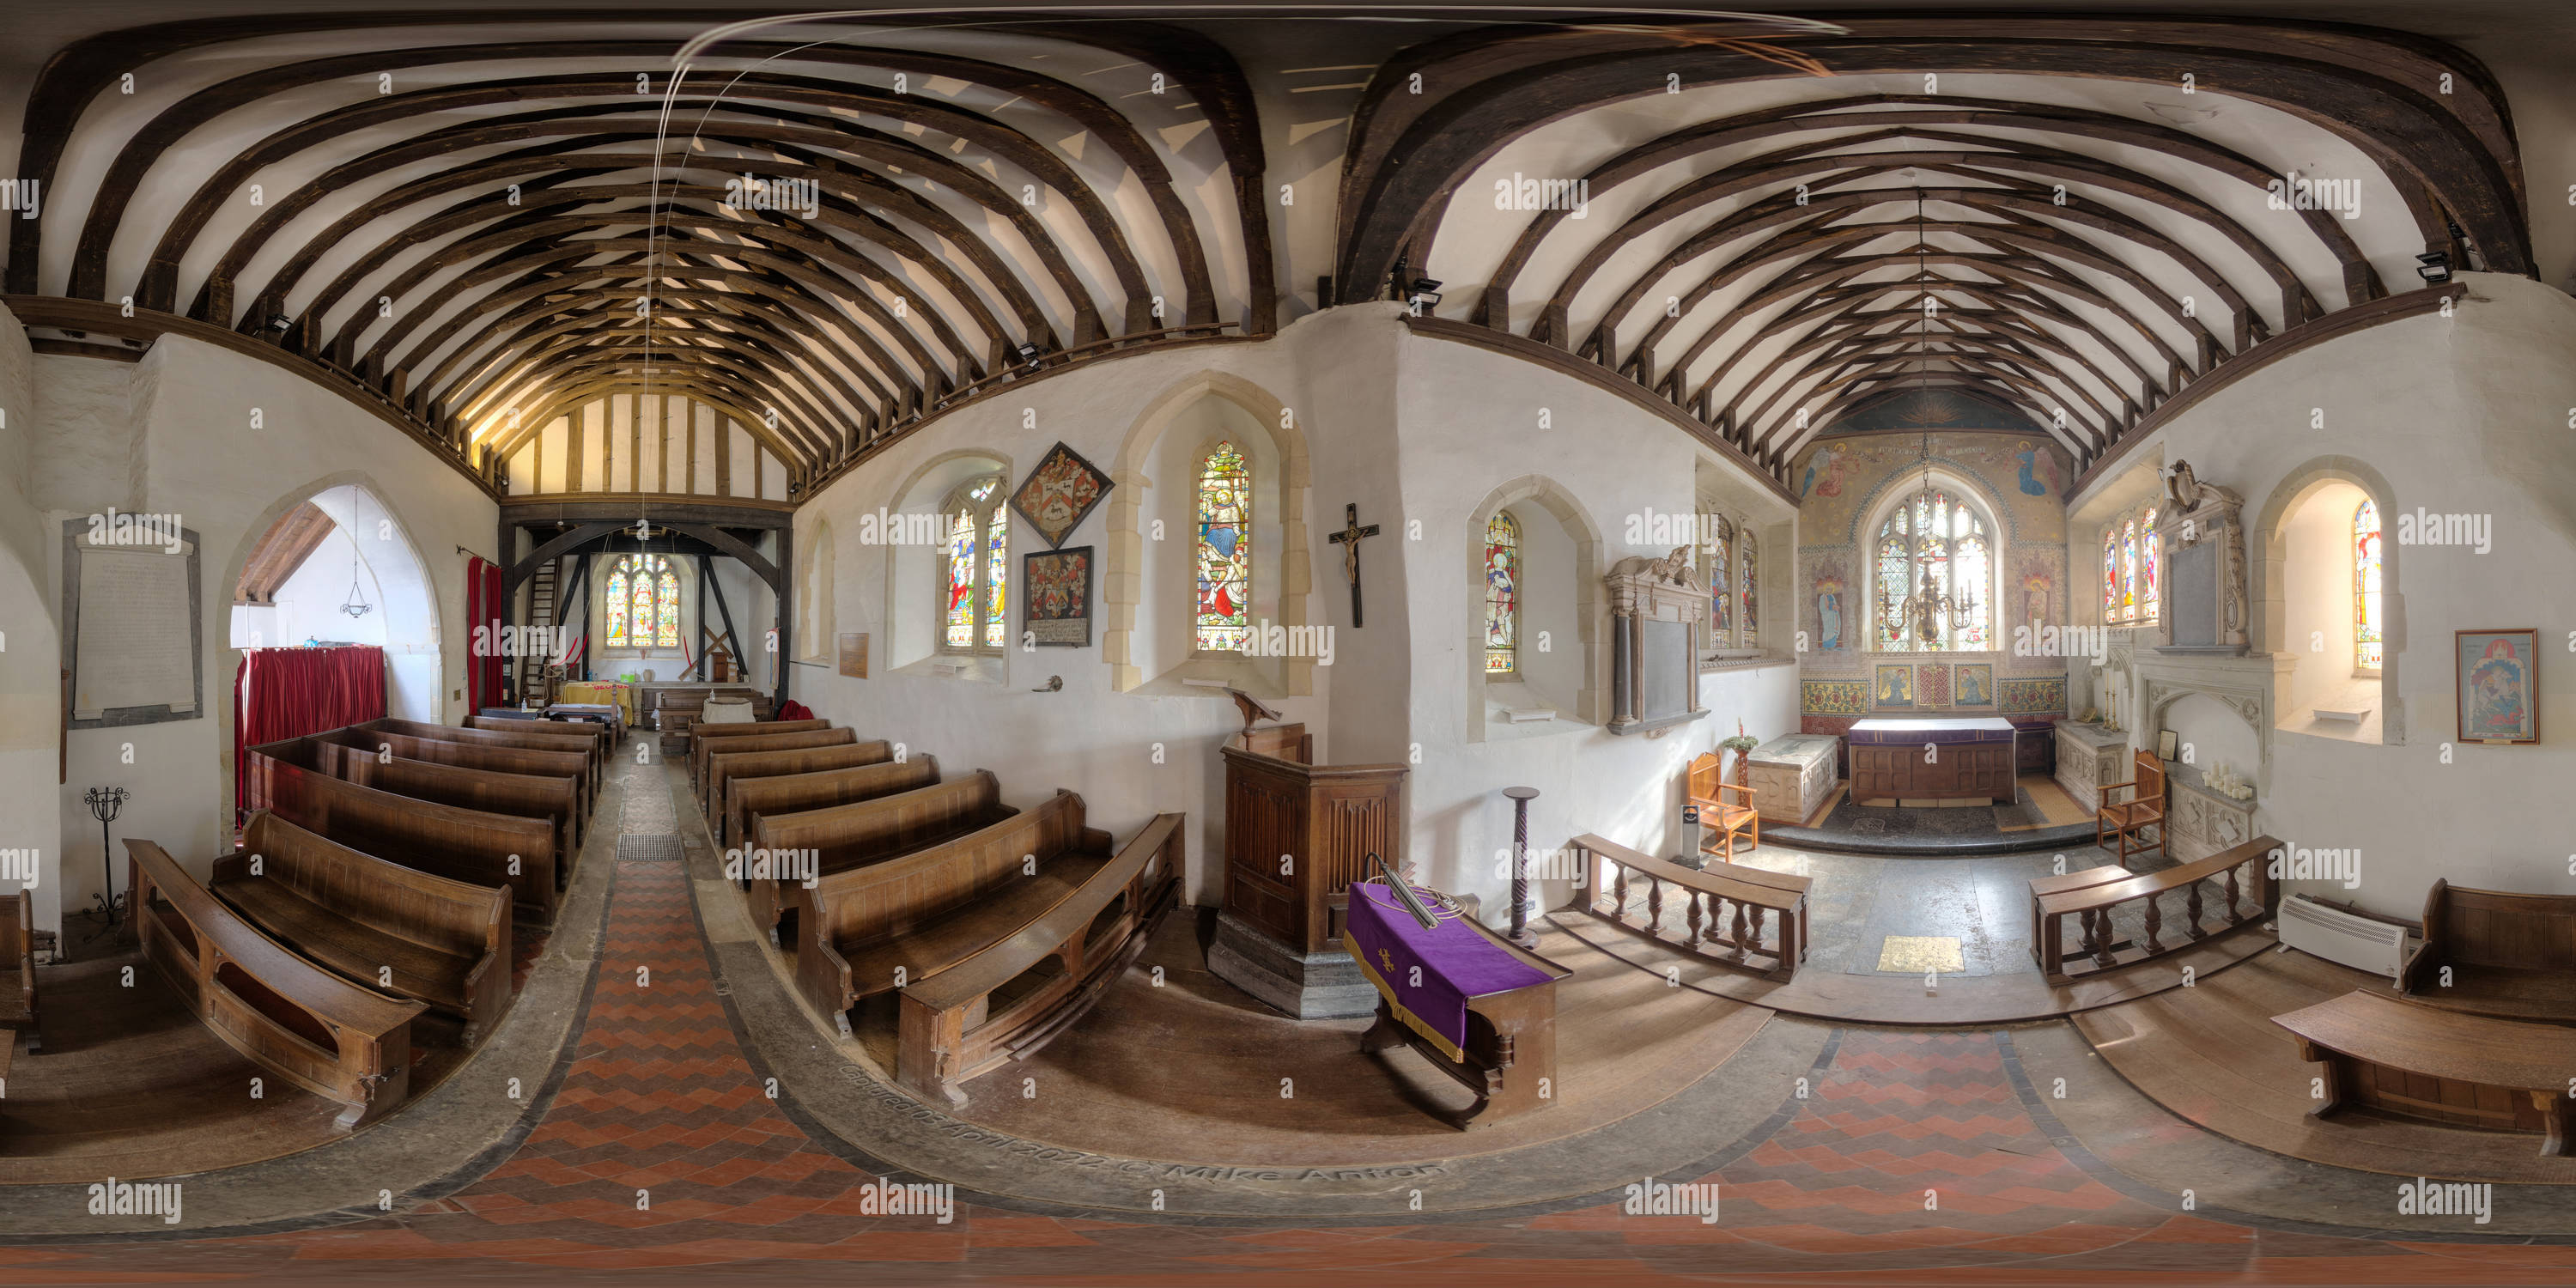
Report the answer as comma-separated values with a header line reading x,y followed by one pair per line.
x,y
1224,550
643,602
1934,542
1502,593
2132,569
1751,561
617,607
2365,587
974,568
1721,604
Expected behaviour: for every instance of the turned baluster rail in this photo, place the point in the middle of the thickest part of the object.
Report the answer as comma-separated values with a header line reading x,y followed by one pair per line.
x,y
2092,896
1767,934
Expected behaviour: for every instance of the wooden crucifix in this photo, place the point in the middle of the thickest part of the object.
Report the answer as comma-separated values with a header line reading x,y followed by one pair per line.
x,y
1349,540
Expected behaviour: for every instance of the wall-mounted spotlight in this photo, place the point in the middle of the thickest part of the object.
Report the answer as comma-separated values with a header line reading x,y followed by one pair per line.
x,y
1028,355
280,323
1423,293
2434,267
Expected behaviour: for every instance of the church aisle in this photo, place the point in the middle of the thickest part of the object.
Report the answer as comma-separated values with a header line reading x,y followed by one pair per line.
x,y
1916,1158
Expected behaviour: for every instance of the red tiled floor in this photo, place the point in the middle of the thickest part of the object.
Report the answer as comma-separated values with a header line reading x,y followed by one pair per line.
x,y
660,1098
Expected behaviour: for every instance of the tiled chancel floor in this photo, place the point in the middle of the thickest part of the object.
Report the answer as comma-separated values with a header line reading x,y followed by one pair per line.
x,y
1915,1157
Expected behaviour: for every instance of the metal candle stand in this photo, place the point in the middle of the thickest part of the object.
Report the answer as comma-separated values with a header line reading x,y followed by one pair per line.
x,y
105,803
1521,933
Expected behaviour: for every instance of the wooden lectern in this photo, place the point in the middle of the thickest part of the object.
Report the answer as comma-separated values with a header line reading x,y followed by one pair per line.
x,y
1297,834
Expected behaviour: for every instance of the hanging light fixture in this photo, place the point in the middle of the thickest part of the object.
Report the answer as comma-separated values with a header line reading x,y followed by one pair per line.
x,y
356,604
1919,617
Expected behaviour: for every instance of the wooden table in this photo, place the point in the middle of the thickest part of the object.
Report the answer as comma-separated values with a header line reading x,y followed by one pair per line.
x,y
1972,756
2444,1066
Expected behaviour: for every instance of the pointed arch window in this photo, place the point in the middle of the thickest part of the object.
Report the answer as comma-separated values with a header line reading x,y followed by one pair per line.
x,y
2366,620
1749,557
1721,599
643,602
2132,569
974,568
1224,549
1934,541
1502,594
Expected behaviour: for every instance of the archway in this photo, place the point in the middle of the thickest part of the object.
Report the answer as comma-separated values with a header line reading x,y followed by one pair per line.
x,y
2302,556
1561,596
336,544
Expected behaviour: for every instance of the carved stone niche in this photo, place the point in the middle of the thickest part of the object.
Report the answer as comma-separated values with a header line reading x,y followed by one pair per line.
x,y
2202,533
1658,611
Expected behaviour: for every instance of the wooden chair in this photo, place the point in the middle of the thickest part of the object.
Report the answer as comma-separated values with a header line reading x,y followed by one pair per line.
x,y
1721,821
18,973
2145,808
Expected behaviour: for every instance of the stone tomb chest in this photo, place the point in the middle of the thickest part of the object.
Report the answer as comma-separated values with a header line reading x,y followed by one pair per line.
x,y
1792,776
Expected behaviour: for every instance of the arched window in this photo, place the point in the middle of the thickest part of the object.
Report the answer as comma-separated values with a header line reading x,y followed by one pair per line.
x,y
975,568
2132,569
1933,542
1502,593
2365,587
1750,558
1224,550
643,595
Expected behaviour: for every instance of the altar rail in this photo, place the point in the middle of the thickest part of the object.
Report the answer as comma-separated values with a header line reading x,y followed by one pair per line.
x,y
2091,897
1757,895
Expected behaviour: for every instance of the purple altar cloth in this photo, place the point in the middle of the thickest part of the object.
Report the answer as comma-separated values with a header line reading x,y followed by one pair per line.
x,y
1456,963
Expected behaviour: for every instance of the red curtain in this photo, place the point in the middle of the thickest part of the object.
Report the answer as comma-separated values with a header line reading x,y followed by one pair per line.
x,y
290,692
483,615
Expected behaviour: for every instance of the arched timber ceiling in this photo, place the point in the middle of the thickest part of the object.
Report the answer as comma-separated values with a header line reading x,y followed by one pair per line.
x,y
460,210
1759,244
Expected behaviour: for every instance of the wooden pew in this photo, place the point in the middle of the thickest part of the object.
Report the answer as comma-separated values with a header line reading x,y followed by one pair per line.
x,y
598,740
18,1012
590,767
556,799
869,829
1009,1000
727,822
2508,954
732,756
888,925
1778,897
295,1019
2440,1064
758,740
382,925
467,755
444,840
701,735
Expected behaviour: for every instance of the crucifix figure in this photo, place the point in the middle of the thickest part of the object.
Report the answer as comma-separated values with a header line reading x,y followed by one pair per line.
x,y
1349,540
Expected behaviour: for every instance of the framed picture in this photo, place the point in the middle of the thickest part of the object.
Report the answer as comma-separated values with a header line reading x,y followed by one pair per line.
x,y
2165,745
2499,685
1059,493
1055,595
1893,686
1973,685
854,654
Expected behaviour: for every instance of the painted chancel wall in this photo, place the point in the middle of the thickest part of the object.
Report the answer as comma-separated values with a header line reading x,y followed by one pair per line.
x,y
2013,474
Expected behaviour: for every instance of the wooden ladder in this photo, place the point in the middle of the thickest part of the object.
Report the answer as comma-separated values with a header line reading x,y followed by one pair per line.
x,y
541,612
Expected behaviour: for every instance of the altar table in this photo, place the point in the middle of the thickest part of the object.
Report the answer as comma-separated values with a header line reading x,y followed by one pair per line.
x,y
1932,758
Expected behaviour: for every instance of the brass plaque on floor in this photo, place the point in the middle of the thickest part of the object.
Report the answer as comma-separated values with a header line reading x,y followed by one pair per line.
x,y
1915,953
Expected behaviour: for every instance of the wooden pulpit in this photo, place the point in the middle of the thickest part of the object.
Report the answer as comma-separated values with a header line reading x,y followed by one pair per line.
x,y
1297,834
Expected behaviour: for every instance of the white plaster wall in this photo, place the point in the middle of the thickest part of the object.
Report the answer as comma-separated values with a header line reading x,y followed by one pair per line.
x,y
2317,595
30,703
1470,424
172,434
2460,414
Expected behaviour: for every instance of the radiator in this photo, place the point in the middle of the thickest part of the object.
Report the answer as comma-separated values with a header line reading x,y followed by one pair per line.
x,y
2337,936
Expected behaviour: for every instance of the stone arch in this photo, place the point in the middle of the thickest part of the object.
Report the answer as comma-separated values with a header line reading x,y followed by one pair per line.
x,y
2268,564
1123,583
1589,568
415,661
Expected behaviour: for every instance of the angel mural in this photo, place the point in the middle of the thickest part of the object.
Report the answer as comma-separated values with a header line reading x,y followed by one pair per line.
x,y
1828,458
2038,468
